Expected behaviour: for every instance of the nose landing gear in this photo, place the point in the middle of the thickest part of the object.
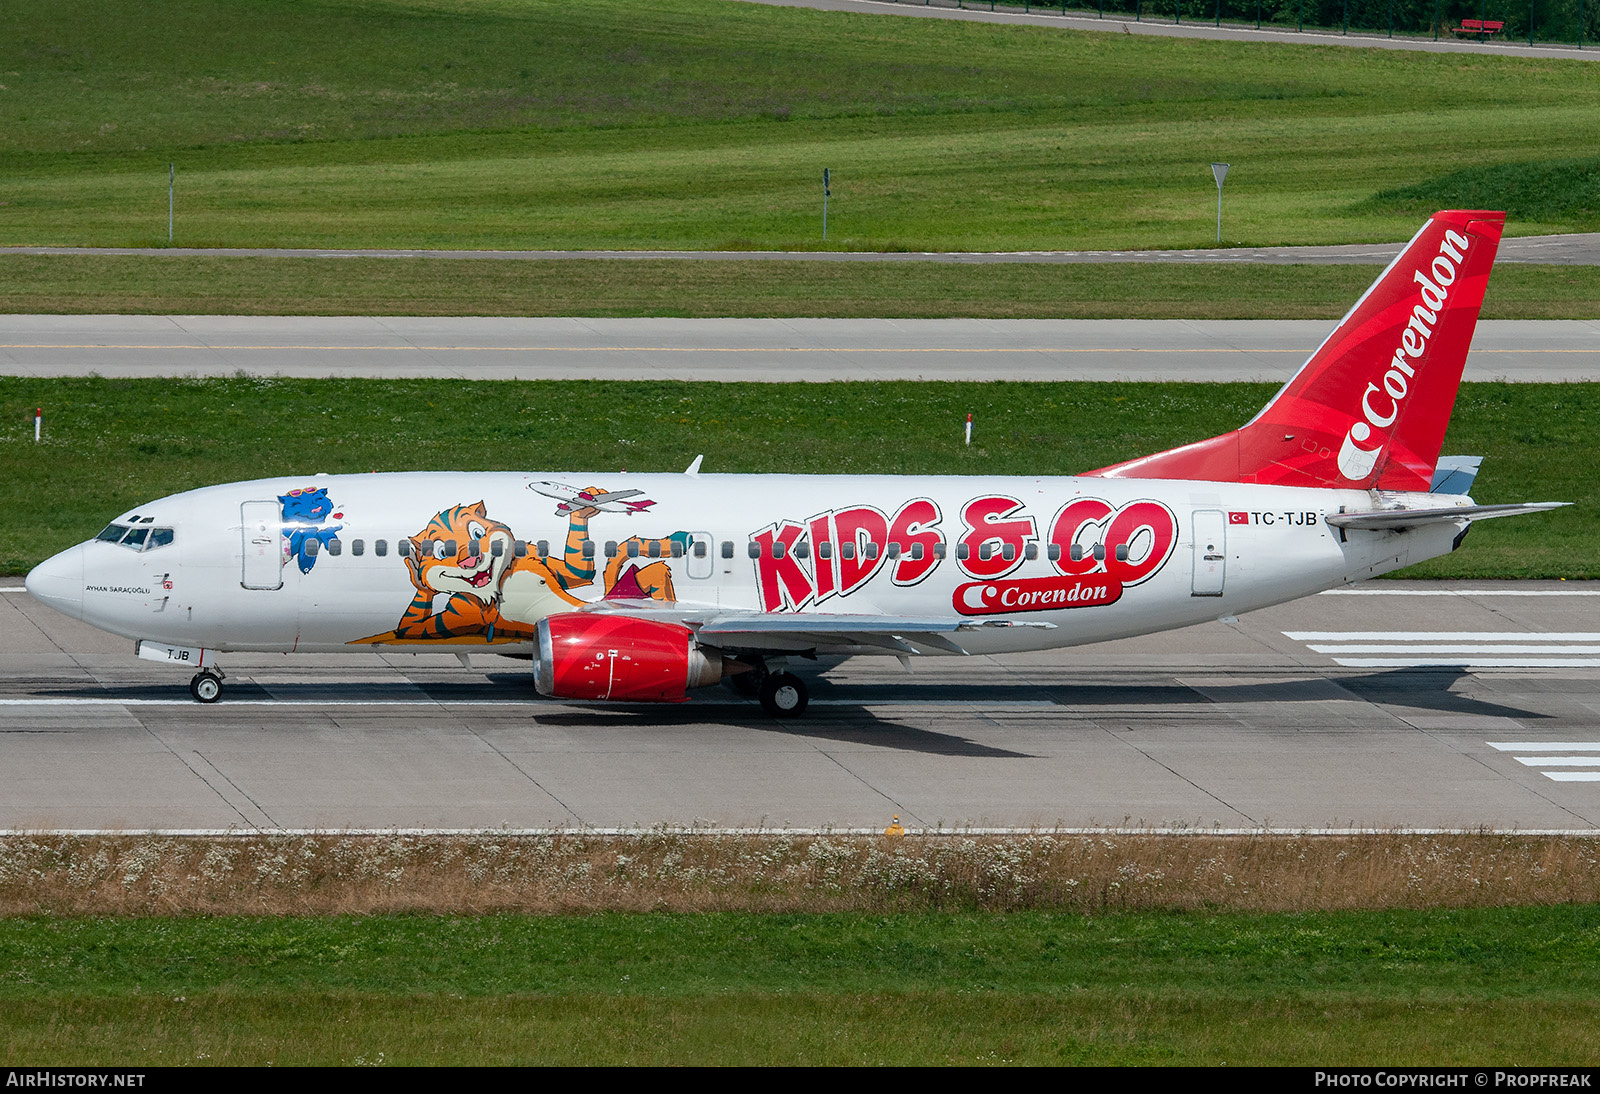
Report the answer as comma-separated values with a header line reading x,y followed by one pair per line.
x,y
206,687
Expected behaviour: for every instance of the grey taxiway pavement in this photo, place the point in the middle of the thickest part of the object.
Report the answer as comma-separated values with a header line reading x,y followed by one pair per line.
x,y
1080,18
1395,704
735,349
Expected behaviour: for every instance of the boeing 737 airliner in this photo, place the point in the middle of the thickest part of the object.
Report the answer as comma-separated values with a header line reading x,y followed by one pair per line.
x,y
641,587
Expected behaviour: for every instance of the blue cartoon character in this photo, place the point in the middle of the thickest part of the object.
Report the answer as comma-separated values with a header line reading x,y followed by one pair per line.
x,y
304,512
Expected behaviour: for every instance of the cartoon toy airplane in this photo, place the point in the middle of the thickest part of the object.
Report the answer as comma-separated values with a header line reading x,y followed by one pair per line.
x,y
1336,480
570,497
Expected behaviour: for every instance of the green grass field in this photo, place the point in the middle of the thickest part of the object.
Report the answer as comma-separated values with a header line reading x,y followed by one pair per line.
x,y
348,286
1508,986
547,123
111,444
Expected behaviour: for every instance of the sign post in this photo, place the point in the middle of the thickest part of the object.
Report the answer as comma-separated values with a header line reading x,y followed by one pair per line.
x,y
172,172
1219,171
825,177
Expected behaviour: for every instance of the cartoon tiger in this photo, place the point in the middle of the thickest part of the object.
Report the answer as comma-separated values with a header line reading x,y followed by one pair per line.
x,y
495,595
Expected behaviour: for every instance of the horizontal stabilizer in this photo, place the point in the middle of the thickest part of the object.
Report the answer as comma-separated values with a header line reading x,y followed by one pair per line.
x,y
1454,474
1392,520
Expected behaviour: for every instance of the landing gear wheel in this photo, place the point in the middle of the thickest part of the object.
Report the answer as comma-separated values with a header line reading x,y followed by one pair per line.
x,y
206,687
784,695
748,683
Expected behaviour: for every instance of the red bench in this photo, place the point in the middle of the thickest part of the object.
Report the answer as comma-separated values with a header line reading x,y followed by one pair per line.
x,y
1478,28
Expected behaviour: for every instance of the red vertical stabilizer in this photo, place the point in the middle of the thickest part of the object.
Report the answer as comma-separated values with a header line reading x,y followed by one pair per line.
x,y
1369,409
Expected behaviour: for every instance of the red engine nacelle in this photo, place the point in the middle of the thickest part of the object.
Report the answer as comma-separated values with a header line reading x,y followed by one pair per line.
x,y
594,656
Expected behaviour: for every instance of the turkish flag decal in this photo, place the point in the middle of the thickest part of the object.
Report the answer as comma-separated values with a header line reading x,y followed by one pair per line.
x,y
1238,518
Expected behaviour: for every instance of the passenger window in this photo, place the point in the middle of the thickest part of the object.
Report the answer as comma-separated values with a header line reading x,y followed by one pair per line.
x,y
778,549
449,546
1030,552
1009,552
802,550
916,552
381,548
519,548
611,548
870,551
754,550
824,550
700,548
497,548
403,546
655,549
312,546
677,549
847,550
963,552
1054,552
894,550
159,538
334,546
633,548
544,548
588,549
938,550
727,548
358,547
984,551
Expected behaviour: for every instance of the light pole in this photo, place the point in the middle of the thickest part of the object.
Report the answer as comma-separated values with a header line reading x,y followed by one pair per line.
x,y
1219,171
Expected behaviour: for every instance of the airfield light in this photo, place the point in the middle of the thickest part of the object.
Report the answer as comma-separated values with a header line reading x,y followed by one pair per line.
x,y
1219,171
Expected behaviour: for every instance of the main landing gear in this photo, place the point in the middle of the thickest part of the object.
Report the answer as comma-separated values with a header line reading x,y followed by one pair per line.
x,y
782,694
206,687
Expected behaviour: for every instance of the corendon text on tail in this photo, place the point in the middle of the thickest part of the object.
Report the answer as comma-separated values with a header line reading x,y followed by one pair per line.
x,y
641,588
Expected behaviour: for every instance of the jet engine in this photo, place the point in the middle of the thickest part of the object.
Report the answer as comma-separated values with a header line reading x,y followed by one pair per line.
x,y
586,655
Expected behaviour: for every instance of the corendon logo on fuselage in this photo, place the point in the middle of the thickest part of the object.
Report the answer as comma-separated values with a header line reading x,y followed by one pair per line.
x,y
1381,403
1097,550
1094,551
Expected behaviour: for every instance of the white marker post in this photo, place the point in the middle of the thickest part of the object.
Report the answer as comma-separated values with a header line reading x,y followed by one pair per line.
x,y
172,173
1219,171
969,428
38,423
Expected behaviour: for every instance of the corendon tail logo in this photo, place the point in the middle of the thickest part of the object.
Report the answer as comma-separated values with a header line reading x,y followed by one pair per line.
x,y
1097,550
1381,402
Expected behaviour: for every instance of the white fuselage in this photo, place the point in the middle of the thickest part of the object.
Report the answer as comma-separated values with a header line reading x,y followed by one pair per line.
x,y
1192,551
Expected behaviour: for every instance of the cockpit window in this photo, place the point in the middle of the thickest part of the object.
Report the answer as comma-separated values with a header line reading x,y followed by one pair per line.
x,y
137,539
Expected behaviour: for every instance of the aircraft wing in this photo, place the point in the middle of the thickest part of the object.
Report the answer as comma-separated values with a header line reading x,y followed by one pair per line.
x,y
1396,519
736,630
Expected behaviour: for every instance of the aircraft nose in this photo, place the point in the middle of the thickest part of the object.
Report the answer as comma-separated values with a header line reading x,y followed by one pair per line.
x,y
58,582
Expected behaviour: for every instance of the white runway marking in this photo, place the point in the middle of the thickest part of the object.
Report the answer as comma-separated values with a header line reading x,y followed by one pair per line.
x,y
1443,636
1466,649
1460,592
1547,754
526,704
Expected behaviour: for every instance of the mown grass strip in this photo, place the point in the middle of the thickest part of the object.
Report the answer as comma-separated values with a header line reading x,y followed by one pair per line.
x,y
34,284
543,123
110,444
1511,985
